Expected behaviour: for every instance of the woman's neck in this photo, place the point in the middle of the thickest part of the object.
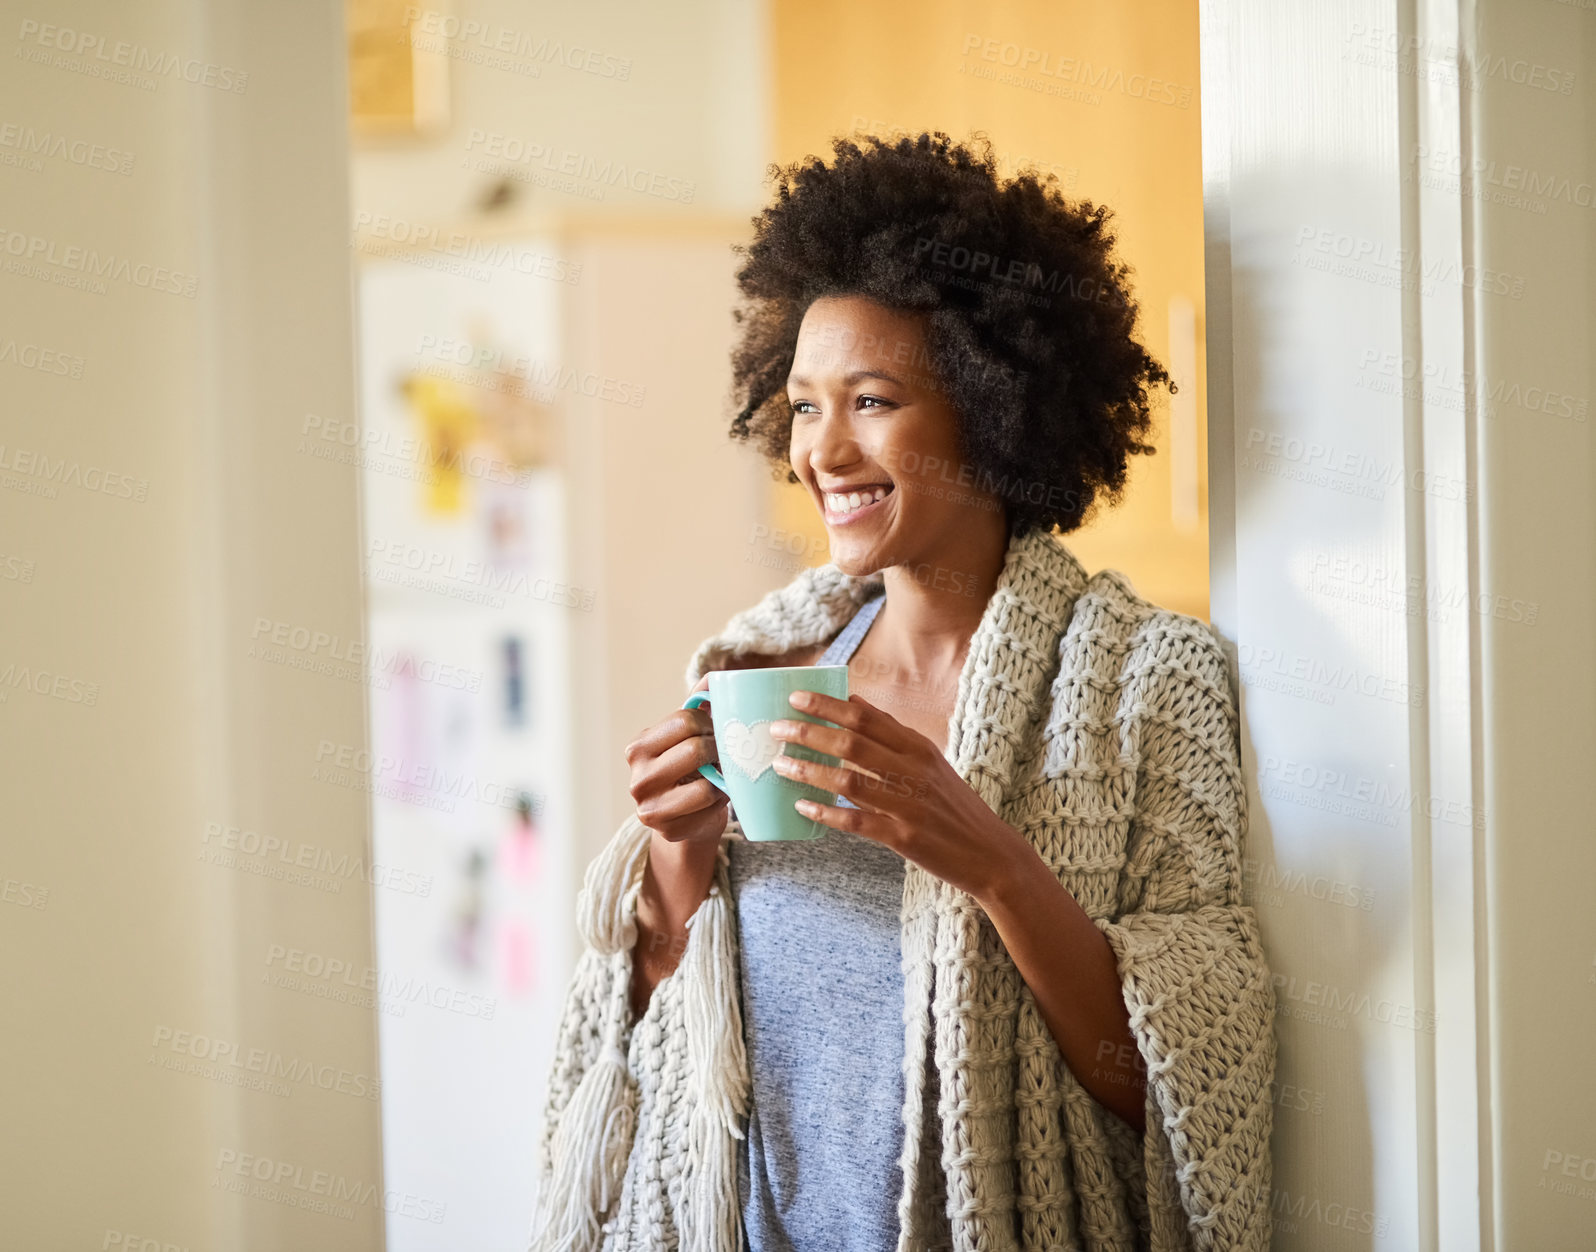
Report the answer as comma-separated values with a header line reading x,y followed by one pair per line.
x,y
933,607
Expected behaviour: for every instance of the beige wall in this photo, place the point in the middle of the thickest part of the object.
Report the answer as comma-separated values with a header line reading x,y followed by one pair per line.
x,y
907,68
147,940
679,91
1537,541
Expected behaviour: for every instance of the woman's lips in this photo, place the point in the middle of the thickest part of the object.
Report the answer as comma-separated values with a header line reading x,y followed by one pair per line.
x,y
834,518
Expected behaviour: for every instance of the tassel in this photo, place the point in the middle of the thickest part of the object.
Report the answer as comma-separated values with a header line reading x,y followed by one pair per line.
x,y
709,1217
590,1151
606,907
593,1141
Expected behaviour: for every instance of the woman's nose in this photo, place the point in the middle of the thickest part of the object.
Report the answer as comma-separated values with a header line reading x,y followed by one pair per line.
x,y
833,446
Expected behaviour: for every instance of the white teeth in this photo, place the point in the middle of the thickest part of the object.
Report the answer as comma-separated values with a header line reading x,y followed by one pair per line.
x,y
853,500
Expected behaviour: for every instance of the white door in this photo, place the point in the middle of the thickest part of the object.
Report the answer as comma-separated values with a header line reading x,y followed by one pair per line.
x,y
1399,221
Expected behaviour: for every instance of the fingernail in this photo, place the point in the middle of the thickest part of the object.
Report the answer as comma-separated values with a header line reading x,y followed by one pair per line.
x,y
780,728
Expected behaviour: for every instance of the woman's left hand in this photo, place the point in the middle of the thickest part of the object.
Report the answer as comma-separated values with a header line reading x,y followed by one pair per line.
x,y
916,803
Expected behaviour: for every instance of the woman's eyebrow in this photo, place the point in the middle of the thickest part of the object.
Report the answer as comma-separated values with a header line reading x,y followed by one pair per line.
x,y
801,380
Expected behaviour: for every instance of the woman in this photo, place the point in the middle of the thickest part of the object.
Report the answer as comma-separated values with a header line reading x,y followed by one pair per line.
x,y
1013,998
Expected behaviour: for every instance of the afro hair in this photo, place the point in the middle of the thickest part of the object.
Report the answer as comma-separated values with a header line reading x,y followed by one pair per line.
x,y
1028,315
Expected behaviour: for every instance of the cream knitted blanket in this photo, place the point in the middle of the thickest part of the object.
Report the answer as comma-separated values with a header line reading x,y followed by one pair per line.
x,y
1104,730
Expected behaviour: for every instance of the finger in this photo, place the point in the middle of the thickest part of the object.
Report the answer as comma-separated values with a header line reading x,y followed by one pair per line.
x,y
884,793
670,731
848,745
856,713
855,821
673,767
681,802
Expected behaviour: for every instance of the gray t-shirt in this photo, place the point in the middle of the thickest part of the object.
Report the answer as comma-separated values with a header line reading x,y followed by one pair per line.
x,y
822,995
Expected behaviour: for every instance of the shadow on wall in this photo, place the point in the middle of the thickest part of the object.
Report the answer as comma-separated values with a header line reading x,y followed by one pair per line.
x,y
1328,874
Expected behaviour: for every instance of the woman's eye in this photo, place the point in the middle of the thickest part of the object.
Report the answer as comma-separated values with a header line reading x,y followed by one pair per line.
x,y
808,406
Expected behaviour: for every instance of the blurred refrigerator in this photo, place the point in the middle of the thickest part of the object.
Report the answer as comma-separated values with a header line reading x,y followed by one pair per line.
x,y
470,617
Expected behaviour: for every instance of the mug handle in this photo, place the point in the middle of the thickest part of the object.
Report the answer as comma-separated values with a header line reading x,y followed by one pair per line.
x,y
706,769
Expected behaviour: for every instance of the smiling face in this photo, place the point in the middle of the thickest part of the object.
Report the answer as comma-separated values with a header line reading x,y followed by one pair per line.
x,y
875,442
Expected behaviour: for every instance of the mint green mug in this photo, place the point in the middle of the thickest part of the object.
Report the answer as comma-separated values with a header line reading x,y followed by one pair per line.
x,y
743,703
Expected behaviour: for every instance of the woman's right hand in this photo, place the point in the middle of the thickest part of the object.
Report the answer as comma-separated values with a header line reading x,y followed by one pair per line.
x,y
673,799
689,814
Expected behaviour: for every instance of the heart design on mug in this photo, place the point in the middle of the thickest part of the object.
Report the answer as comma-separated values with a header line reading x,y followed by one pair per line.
x,y
751,748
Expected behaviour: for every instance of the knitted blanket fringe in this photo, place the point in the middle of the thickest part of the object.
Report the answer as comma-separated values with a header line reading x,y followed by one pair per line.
x,y
588,1153
720,1083
594,1137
